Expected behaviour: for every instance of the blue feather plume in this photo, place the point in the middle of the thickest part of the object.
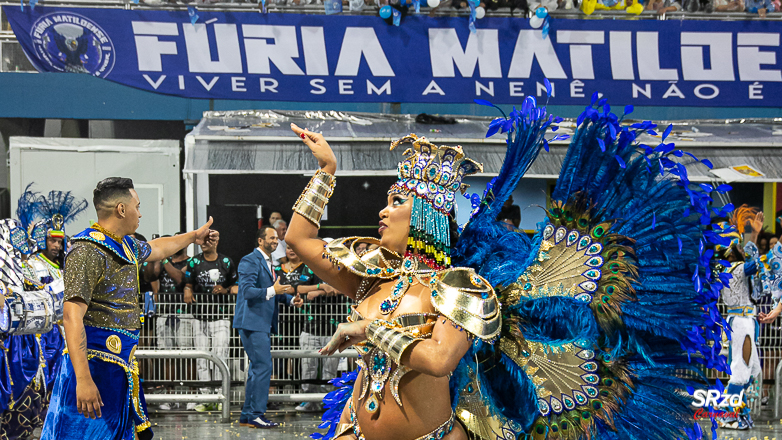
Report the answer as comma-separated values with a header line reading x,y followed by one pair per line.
x,y
672,322
63,203
28,207
335,402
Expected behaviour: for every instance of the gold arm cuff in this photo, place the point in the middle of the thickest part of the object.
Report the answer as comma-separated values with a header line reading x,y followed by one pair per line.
x,y
312,202
391,340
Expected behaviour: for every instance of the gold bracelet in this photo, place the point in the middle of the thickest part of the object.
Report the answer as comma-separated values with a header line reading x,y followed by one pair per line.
x,y
312,202
391,340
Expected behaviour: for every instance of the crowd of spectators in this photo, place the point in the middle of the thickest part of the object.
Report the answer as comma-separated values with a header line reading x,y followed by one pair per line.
x,y
195,301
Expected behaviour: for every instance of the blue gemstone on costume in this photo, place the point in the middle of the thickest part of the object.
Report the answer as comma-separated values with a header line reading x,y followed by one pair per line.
x,y
527,286
378,364
593,274
589,366
594,249
590,390
590,378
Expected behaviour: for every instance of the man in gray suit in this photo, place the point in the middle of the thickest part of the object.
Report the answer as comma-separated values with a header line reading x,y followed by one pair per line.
x,y
255,318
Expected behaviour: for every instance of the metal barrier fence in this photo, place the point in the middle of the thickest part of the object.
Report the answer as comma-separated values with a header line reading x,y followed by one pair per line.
x,y
221,397
208,327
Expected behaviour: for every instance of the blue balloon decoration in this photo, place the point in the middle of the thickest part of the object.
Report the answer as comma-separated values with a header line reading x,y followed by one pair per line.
x,y
541,12
475,3
385,12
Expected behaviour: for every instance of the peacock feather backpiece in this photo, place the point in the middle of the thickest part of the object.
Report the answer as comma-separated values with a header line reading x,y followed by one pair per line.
x,y
611,306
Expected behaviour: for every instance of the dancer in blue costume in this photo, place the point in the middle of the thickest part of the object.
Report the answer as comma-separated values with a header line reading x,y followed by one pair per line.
x,y
97,394
40,351
33,354
581,332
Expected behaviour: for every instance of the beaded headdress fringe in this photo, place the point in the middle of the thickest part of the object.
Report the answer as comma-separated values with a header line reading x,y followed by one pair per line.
x,y
430,175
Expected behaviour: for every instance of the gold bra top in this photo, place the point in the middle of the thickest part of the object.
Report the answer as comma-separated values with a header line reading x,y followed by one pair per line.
x,y
457,293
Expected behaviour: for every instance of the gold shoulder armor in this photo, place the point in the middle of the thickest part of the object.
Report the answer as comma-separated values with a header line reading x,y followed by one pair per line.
x,y
468,300
376,262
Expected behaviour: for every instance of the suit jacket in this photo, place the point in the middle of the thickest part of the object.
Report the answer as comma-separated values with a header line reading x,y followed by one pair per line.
x,y
253,311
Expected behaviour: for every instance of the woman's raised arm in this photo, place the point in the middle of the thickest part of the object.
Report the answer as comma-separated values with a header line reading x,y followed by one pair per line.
x,y
302,233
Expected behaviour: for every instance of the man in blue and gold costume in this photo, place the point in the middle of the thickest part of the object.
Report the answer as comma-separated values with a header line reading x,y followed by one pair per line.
x,y
97,392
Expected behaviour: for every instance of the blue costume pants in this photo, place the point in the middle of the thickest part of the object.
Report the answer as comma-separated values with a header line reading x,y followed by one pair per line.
x,y
115,372
258,348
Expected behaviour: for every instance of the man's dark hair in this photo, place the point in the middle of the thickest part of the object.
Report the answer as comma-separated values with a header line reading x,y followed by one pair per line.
x,y
109,190
262,231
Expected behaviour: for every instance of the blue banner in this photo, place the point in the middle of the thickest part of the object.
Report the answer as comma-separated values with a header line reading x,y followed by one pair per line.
x,y
335,58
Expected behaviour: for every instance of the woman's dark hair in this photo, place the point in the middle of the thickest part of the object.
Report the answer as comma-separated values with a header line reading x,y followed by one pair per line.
x,y
453,227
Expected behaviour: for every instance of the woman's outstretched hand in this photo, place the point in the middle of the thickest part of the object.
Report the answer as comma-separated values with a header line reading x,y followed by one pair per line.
x,y
327,161
347,335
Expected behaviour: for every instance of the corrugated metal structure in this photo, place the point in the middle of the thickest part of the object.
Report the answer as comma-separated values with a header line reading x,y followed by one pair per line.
x,y
259,142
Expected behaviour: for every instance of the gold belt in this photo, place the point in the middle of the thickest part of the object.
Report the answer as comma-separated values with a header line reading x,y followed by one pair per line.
x,y
741,311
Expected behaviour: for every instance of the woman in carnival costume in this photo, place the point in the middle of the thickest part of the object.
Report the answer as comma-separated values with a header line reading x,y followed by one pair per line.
x,y
576,333
33,354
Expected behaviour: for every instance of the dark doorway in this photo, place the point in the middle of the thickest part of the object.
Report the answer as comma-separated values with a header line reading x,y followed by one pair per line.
x,y
238,226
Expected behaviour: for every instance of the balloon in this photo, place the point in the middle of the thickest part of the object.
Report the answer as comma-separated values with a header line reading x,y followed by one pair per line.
x,y
480,13
536,22
385,12
636,8
433,3
541,12
475,3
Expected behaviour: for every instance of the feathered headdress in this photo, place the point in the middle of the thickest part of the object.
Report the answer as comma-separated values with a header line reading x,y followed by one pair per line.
x,y
57,209
742,215
27,211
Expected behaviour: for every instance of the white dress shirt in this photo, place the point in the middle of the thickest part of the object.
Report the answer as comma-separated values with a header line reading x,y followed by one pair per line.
x,y
279,253
269,290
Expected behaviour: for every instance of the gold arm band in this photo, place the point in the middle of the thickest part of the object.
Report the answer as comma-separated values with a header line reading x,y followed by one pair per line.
x,y
391,340
313,200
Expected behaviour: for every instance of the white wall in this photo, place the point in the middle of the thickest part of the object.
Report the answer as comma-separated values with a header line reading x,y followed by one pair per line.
x,y
78,164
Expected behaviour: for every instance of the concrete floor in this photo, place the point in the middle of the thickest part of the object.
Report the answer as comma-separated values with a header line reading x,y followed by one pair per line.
x,y
197,426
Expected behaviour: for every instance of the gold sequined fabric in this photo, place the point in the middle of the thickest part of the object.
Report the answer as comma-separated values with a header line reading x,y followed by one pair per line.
x,y
108,284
